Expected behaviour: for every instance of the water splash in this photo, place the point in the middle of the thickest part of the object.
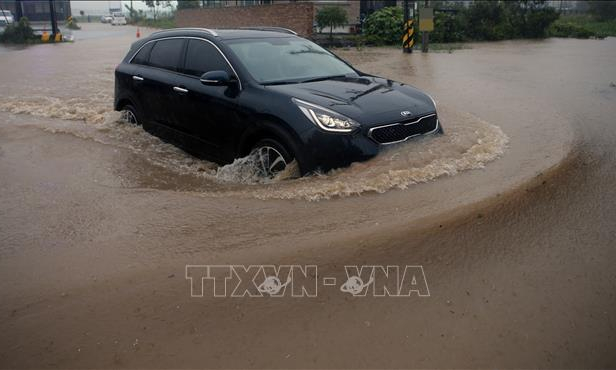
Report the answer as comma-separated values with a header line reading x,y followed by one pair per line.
x,y
469,143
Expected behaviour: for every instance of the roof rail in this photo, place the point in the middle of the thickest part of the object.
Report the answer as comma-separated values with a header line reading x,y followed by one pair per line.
x,y
273,29
211,32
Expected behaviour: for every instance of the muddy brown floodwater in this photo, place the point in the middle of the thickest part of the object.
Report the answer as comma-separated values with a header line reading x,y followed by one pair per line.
x,y
511,214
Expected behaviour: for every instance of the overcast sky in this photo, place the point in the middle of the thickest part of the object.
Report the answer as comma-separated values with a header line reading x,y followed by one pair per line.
x,y
102,7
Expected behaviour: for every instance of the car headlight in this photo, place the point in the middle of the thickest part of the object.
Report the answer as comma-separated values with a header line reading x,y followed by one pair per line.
x,y
326,119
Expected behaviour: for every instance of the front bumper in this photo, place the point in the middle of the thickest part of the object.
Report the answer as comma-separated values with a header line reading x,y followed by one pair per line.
x,y
323,151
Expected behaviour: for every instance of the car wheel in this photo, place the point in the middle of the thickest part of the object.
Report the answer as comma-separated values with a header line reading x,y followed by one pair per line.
x,y
130,115
272,157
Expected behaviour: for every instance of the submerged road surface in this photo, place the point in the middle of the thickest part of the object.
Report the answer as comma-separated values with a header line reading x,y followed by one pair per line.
x,y
510,215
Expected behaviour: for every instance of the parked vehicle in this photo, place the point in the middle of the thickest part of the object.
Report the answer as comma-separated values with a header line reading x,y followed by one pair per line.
x,y
106,18
6,17
118,19
223,94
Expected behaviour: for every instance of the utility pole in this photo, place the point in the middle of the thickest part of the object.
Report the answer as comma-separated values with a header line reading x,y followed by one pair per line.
x,y
425,36
405,37
19,12
408,38
54,21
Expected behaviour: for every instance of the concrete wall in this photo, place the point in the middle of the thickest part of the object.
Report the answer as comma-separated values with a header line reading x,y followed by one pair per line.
x,y
296,16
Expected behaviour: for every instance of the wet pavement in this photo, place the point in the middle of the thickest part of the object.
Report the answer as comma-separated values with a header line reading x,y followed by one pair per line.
x,y
511,214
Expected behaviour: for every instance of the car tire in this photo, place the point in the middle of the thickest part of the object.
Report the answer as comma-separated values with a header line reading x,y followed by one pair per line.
x,y
272,157
131,115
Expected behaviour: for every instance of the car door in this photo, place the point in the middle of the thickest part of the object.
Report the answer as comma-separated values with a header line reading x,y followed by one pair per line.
x,y
135,82
208,112
157,79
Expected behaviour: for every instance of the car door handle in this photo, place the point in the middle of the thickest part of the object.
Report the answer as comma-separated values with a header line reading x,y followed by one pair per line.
x,y
137,78
180,89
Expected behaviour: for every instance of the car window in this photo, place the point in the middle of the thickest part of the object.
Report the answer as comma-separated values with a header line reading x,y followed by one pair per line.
x,y
143,54
166,54
287,59
202,57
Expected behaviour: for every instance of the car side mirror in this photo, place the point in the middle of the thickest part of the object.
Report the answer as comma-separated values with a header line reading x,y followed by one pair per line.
x,y
216,78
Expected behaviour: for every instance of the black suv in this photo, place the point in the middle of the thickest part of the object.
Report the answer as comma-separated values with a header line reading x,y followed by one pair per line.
x,y
224,94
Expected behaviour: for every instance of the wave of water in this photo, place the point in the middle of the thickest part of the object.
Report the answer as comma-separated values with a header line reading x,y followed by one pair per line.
x,y
469,143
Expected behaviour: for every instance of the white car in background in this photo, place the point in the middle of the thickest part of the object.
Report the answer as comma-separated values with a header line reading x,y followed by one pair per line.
x,y
6,17
106,18
118,19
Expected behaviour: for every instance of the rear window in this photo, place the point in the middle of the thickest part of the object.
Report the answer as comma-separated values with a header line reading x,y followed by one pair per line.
x,y
202,57
143,54
166,54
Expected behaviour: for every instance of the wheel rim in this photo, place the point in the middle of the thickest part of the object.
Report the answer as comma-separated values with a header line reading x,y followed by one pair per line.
x,y
129,117
270,161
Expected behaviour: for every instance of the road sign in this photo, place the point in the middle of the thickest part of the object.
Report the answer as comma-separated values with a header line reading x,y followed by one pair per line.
x,y
426,19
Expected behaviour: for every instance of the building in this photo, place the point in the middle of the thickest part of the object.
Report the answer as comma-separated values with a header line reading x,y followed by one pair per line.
x,y
37,10
356,10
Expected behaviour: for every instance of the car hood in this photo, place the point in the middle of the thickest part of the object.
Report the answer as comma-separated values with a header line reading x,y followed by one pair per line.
x,y
365,99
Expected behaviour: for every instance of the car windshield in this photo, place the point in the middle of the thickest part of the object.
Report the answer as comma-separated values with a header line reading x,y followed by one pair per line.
x,y
287,60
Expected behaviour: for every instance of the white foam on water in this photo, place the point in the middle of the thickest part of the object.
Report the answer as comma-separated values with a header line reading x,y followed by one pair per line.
x,y
469,143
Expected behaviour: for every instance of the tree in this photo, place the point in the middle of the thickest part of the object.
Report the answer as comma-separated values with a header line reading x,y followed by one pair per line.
x,y
602,10
154,4
132,13
385,26
150,4
188,4
331,16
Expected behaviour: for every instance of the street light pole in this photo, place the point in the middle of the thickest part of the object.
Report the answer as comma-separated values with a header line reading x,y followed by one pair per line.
x,y
54,21
19,13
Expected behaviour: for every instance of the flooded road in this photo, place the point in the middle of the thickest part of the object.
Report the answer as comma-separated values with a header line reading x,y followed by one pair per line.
x,y
511,214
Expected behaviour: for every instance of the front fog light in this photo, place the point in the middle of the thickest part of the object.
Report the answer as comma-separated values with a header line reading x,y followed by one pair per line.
x,y
326,119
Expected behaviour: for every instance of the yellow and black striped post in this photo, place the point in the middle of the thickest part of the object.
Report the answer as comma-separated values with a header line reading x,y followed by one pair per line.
x,y
408,39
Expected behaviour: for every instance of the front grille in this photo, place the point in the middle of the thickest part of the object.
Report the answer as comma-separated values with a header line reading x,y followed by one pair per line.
x,y
397,132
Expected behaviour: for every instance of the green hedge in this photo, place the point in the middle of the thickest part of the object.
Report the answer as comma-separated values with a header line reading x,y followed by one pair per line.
x,y
567,29
385,26
19,33
482,20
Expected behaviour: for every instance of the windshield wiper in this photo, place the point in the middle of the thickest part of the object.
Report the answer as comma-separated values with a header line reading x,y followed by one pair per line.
x,y
281,82
288,82
323,78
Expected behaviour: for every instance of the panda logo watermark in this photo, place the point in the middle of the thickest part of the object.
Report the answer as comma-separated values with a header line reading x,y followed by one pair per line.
x,y
304,281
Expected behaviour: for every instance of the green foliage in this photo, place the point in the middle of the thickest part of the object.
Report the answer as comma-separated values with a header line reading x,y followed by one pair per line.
x,y
133,14
331,16
603,10
164,23
154,4
188,4
535,18
568,29
485,20
19,33
582,26
385,26
494,20
482,20
447,28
